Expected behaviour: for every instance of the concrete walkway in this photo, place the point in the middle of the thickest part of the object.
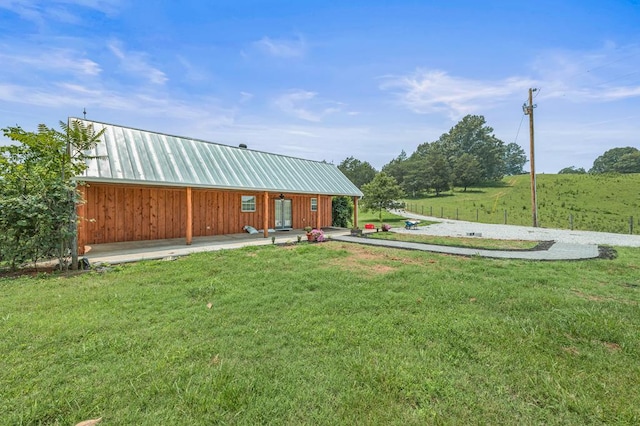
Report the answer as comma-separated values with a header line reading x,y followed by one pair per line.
x,y
461,228
559,251
135,251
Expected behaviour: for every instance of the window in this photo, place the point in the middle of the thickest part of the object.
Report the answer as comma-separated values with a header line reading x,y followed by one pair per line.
x,y
248,203
314,204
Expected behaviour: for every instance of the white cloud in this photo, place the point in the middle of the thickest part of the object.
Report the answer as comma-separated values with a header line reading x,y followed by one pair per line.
x,y
136,63
303,104
282,48
434,91
193,73
66,11
54,59
601,75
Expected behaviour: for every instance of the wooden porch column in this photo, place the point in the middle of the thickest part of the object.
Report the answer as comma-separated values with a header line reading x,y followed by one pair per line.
x,y
355,212
81,234
318,212
189,216
265,214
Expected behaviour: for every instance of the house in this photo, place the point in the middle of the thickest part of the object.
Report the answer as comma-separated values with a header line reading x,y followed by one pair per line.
x,y
143,185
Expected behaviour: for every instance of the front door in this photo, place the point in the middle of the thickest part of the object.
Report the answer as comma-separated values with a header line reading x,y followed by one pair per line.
x,y
283,214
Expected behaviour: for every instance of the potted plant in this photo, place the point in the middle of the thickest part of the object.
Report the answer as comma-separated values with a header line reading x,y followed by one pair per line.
x,y
317,235
307,230
386,227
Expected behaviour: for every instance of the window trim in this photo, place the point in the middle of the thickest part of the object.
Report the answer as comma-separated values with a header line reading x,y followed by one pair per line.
x,y
247,203
314,204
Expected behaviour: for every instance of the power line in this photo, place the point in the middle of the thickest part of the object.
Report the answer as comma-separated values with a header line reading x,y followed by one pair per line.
x,y
518,132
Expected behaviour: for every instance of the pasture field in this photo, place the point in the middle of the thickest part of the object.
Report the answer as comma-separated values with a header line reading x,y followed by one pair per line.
x,y
602,203
325,334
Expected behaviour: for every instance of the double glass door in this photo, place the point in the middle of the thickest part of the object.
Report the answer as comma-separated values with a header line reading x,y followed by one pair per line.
x,y
283,214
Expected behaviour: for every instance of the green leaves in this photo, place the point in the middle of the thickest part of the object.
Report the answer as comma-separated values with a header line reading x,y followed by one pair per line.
x,y
37,192
358,172
381,192
467,155
618,160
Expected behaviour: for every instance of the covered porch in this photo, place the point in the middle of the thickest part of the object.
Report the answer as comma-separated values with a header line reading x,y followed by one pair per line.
x,y
134,251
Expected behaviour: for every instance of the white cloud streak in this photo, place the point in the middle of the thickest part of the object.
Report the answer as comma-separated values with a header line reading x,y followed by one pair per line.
x,y
39,11
434,91
55,59
302,104
136,63
282,48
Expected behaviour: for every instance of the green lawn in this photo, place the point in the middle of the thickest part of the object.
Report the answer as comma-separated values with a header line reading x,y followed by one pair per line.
x,y
480,243
603,203
325,334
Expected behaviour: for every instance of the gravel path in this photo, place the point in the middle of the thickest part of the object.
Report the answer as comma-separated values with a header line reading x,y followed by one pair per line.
x,y
459,228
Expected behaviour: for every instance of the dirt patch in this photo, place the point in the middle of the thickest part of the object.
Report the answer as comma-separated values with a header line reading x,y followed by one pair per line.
x,y
571,350
612,347
381,269
594,298
364,260
589,296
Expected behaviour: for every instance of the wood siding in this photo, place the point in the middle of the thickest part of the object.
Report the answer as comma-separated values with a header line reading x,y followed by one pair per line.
x,y
115,213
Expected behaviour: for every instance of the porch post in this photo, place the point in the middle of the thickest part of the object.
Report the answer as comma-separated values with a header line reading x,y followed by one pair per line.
x,y
318,213
355,212
189,216
81,239
265,214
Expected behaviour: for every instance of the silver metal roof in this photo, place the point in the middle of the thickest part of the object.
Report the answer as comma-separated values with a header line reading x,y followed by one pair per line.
x,y
127,155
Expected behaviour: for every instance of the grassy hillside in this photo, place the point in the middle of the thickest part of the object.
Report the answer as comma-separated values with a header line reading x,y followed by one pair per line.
x,y
596,203
325,334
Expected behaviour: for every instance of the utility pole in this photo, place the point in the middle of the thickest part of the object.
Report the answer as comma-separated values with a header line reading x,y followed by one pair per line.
x,y
528,110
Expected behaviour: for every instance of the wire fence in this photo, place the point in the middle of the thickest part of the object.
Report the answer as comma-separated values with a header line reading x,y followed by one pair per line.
x,y
585,221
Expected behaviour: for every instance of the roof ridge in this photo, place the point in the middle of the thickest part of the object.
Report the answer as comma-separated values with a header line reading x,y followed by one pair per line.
x,y
199,140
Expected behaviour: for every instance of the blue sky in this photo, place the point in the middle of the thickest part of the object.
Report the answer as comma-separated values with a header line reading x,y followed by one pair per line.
x,y
325,80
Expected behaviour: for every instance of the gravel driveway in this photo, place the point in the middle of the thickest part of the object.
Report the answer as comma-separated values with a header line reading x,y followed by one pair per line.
x,y
460,228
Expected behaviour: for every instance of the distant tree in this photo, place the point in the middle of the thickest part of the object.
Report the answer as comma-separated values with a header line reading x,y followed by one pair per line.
x,y
608,162
397,168
466,171
342,211
514,159
357,171
437,172
381,193
572,171
471,135
628,163
415,179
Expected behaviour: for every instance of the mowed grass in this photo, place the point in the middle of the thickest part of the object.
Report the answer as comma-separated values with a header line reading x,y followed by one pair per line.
x,y
325,334
602,203
398,221
483,243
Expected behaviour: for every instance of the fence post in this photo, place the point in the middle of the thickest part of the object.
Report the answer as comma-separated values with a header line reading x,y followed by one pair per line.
x,y
571,221
441,211
431,211
456,213
505,216
477,215
631,224
422,208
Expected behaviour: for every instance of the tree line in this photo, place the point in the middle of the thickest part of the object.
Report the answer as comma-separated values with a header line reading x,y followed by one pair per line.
x,y
615,160
468,155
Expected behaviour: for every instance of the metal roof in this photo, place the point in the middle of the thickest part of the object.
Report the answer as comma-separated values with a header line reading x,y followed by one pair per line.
x,y
127,155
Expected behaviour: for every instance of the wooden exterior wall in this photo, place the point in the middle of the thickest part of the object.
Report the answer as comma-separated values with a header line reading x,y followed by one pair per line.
x,y
115,213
